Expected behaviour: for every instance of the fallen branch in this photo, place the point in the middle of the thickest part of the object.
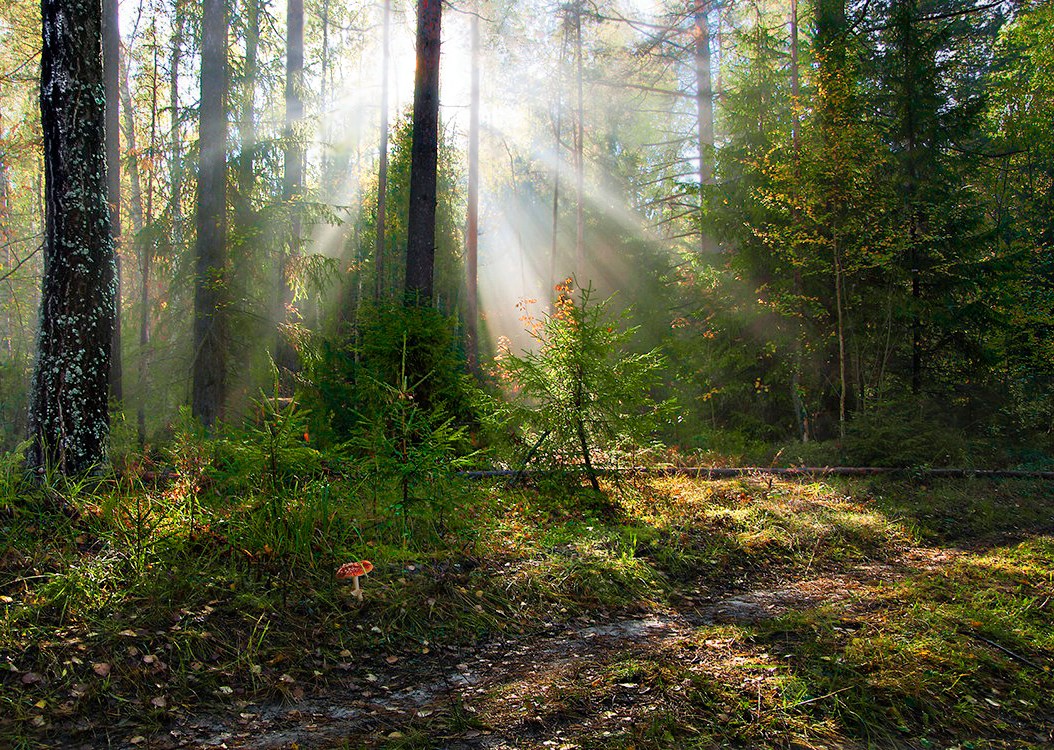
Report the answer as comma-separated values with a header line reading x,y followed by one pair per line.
x,y
1024,660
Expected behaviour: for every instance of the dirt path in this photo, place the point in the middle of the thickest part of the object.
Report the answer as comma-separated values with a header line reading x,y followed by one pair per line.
x,y
527,683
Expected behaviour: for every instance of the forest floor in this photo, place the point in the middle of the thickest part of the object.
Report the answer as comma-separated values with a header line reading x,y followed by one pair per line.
x,y
671,613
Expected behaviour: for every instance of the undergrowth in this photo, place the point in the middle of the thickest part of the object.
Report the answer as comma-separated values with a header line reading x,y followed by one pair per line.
x,y
196,581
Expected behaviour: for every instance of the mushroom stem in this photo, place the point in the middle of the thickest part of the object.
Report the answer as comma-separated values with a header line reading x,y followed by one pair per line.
x,y
356,590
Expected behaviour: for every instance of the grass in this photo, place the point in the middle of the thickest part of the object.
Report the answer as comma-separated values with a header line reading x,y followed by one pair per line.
x,y
131,603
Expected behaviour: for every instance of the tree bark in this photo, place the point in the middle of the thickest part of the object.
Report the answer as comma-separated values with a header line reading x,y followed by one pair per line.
x,y
580,162
137,214
704,104
472,219
246,173
801,416
293,179
424,157
175,164
69,419
382,169
111,65
210,318
135,206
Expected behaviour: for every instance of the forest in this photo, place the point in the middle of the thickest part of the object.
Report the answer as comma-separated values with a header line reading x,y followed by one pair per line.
x,y
552,373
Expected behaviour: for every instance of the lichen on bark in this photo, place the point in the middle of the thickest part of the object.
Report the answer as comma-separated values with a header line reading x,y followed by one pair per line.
x,y
69,419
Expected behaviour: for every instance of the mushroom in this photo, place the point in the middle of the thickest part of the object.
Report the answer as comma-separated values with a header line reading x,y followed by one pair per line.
x,y
353,570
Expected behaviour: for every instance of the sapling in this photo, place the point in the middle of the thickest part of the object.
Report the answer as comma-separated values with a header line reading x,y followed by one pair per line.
x,y
580,391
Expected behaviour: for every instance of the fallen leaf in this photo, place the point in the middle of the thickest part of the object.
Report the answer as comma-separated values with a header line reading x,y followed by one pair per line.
x,y
31,678
101,668
159,702
392,659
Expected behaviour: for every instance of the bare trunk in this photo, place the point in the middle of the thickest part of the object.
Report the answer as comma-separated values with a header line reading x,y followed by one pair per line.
x,y
424,155
795,84
135,210
111,53
382,169
704,103
840,308
145,261
472,219
6,236
293,180
69,418
135,207
324,95
175,164
210,321
246,172
580,166
801,415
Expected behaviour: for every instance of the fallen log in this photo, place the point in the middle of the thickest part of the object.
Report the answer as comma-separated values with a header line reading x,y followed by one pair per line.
x,y
727,472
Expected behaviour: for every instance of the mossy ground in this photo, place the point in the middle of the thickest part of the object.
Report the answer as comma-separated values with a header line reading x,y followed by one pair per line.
x,y
882,613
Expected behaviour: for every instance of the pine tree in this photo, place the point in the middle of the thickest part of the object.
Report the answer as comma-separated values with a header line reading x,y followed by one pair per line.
x,y
69,420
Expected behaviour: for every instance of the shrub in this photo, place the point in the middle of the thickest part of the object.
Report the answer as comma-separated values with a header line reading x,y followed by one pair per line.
x,y
580,395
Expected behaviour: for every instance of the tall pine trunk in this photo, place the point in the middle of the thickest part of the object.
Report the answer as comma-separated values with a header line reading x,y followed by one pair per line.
x,y
424,157
293,178
137,214
111,65
69,420
175,162
580,153
472,219
382,170
704,104
210,318
801,415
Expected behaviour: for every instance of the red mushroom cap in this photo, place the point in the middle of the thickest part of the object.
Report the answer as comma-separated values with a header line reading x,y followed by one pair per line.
x,y
354,569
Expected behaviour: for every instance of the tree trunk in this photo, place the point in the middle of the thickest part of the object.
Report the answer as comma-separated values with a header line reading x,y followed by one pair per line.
x,y
424,157
210,318
472,219
137,214
69,419
293,179
246,172
135,207
839,294
580,428
558,134
6,236
704,104
795,82
801,416
175,164
382,169
580,162
111,64
324,97
906,11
